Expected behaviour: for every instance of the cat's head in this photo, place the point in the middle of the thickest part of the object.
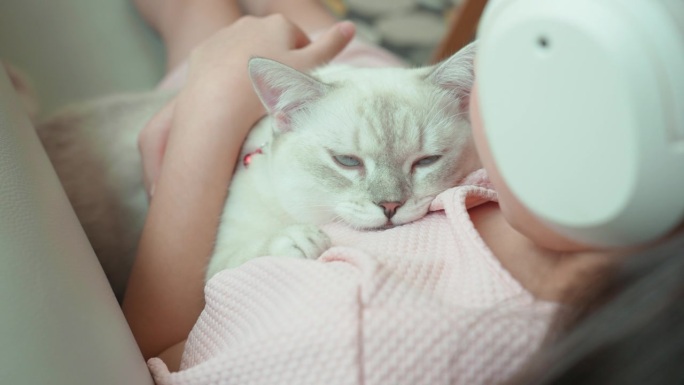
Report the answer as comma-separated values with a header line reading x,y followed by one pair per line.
x,y
367,147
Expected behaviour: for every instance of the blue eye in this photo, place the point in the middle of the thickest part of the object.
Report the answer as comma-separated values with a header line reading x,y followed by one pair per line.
x,y
428,160
348,161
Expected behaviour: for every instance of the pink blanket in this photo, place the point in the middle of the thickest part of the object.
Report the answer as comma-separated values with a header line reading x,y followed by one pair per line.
x,y
423,303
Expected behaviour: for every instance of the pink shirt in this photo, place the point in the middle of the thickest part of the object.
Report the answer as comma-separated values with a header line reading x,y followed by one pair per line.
x,y
423,303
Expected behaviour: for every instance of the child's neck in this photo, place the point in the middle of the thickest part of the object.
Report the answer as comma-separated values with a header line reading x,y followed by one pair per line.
x,y
549,275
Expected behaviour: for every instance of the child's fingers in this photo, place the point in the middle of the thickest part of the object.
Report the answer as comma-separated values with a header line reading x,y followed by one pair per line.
x,y
278,24
299,37
330,43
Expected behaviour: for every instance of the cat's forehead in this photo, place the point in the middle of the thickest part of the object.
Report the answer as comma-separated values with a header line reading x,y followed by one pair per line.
x,y
370,91
394,110
369,80
386,122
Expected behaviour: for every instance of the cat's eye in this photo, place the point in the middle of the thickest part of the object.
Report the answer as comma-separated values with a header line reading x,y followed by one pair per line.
x,y
348,161
428,160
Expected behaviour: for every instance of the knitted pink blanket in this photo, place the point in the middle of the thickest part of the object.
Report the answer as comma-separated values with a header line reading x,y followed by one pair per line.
x,y
423,303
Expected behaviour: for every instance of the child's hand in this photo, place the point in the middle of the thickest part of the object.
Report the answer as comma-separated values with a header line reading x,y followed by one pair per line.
x,y
226,54
220,63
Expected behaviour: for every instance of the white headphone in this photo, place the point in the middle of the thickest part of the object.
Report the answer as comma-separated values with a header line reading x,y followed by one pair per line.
x,y
583,108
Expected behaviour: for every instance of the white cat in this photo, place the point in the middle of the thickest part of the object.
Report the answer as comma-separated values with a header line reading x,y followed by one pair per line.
x,y
367,147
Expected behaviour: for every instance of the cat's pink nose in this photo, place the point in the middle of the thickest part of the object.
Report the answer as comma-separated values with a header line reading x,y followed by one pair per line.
x,y
389,208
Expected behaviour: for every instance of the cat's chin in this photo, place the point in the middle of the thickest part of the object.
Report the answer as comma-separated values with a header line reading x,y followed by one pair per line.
x,y
375,228
388,225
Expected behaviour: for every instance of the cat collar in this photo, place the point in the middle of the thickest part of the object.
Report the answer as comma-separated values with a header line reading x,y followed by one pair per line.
x,y
247,159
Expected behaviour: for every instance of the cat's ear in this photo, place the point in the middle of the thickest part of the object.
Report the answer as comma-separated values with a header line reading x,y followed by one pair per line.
x,y
283,90
456,75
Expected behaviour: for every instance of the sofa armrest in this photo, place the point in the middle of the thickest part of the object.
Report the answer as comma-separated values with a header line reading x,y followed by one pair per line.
x,y
60,323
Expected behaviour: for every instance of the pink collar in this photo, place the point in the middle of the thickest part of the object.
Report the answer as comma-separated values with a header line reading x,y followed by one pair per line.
x,y
247,159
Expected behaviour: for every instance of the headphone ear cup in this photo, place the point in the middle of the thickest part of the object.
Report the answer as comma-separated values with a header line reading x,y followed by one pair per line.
x,y
581,116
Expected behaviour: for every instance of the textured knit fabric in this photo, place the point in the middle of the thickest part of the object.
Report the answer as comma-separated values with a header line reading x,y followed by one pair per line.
x,y
423,303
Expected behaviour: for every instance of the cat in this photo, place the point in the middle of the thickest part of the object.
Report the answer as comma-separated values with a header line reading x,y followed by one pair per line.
x,y
370,148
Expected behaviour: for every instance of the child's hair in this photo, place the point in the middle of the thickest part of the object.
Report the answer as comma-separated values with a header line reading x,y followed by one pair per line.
x,y
630,331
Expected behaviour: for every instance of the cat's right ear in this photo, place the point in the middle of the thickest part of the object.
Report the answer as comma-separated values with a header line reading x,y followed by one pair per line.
x,y
457,75
283,90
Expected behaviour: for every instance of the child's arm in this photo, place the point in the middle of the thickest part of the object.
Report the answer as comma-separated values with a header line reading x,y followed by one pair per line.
x,y
210,119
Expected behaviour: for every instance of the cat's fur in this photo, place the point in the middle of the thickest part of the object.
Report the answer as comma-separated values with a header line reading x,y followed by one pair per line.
x,y
390,123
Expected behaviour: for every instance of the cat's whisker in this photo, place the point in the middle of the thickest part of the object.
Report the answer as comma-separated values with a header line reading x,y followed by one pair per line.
x,y
339,220
294,201
309,207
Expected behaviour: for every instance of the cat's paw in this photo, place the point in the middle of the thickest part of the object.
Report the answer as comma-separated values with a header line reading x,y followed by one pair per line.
x,y
302,241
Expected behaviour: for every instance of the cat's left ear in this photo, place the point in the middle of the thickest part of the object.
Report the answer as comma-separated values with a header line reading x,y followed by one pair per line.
x,y
283,90
456,75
